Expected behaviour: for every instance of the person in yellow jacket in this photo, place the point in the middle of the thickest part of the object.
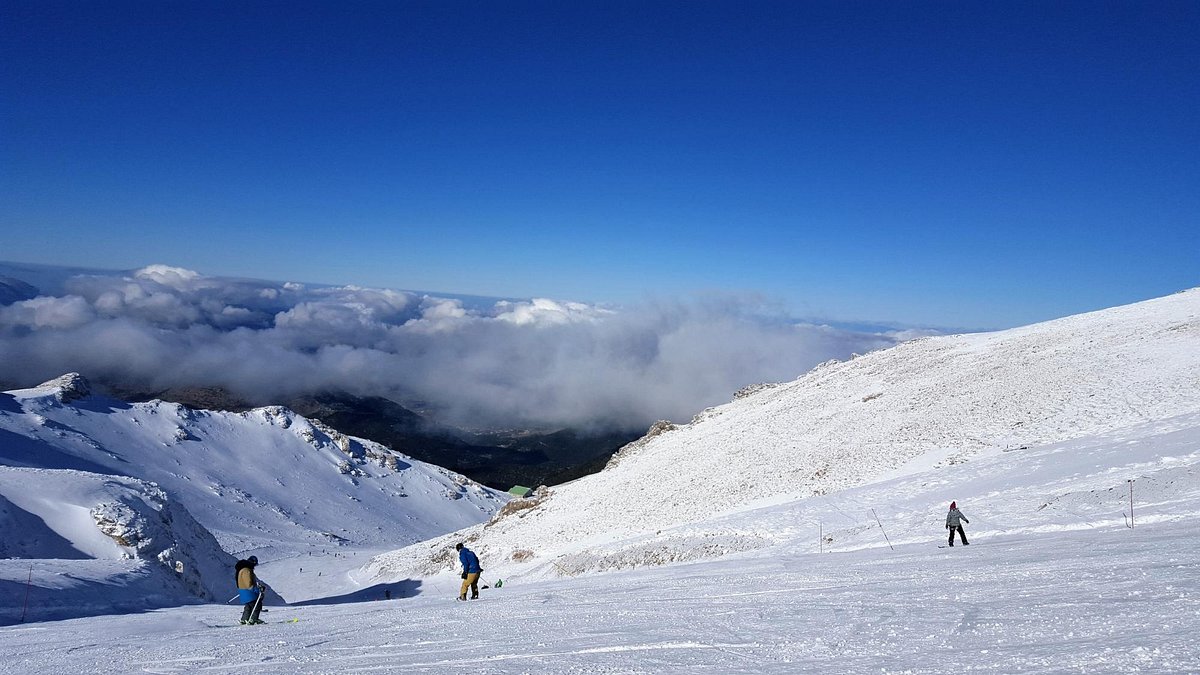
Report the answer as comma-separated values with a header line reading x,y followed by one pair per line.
x,y
250,590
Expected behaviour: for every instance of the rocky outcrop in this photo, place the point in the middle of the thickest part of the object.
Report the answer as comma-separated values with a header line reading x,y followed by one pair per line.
x,y
71,387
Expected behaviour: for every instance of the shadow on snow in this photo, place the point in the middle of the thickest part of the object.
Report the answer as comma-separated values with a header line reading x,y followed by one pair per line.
x,y
399,589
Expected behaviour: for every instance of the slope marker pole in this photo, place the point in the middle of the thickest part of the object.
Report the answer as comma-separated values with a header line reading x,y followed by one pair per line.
x,y
885,537
1130,503
28,584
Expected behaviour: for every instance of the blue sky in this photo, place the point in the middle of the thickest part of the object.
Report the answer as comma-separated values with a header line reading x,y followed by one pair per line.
x,y
953,164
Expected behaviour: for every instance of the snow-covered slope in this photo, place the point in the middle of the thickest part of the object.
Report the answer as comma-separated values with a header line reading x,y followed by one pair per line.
x,y
1094,599
150,546
267,481
930,403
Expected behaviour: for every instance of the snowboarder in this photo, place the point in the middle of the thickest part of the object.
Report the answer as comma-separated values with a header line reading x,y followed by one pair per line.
x,y
470,571
250,590
953,524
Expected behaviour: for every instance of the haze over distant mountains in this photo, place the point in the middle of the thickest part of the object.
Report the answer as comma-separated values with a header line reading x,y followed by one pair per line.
x,y
474,363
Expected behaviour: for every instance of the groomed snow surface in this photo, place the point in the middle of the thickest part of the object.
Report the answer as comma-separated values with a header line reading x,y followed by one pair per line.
x,y
1104,601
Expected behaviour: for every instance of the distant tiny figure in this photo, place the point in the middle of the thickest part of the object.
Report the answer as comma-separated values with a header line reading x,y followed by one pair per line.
x,y
953,524
250,590
387,594
470,572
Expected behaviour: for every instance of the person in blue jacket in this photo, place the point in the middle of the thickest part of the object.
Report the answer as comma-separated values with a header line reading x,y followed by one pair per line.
x,y
470,571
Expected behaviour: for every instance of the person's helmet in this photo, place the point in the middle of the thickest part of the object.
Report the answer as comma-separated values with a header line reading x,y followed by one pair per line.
x,y
458,546
253,560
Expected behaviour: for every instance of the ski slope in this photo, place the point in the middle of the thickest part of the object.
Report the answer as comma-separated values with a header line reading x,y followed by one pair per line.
x,y
1090,601
1053,582
933,403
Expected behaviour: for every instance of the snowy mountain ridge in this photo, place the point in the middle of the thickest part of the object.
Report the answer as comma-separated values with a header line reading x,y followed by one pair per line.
x,y
931,403
98,478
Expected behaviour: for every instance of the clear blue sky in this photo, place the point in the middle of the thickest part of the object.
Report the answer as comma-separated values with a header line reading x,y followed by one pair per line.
x,y
950,163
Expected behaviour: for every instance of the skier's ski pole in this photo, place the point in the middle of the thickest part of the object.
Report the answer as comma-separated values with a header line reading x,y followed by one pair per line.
x,y
262,593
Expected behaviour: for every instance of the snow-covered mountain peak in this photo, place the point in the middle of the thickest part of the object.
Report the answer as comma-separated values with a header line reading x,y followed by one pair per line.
x,y
267,480
64,388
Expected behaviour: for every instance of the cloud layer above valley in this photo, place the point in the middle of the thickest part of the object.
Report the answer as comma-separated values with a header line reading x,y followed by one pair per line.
x,y
538,362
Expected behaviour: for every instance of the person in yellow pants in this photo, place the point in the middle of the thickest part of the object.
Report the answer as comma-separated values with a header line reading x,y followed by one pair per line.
x,y
470,572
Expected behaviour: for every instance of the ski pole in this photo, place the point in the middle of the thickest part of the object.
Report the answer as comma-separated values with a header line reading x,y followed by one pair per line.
x,y
262,593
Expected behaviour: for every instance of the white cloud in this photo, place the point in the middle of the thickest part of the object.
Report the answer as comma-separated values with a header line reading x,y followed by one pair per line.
x,y
174,277
541,361
47,312
544,311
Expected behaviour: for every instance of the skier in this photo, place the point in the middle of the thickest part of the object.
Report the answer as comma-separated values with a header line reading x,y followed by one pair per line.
x,y
470,571
953,524
250,590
